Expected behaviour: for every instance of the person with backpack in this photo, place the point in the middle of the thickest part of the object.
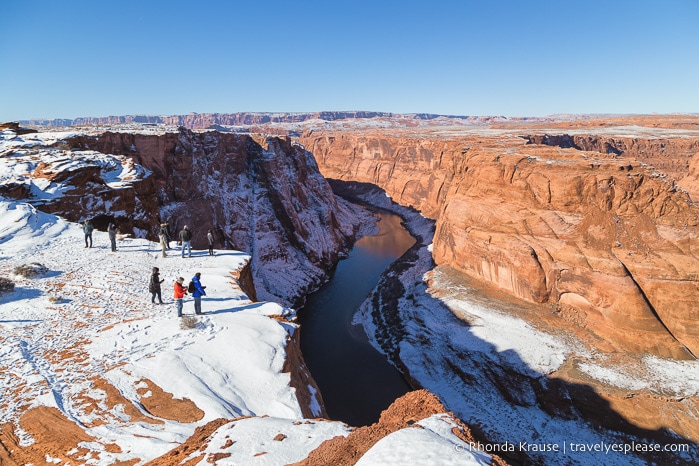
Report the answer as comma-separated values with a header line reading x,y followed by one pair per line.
x,y
154,286
210,238
186,240
197,291
87,229
112,231
180,291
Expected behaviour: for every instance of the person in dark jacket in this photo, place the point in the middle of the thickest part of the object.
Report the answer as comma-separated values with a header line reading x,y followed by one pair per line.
x,y
112,231
165,229
210,238
87,229
186,240
154,286
198,292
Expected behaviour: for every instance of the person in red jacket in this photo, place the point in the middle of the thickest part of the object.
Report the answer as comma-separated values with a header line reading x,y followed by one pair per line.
x,y
180,291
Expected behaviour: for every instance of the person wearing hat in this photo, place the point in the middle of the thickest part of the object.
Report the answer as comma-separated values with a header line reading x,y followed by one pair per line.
x,y
186,240
180,291
154,286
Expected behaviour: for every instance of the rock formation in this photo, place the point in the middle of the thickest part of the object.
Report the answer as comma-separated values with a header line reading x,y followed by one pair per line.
x,y
263,195
596,235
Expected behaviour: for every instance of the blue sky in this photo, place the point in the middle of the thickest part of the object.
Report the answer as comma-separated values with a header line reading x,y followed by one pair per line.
x,y
73,58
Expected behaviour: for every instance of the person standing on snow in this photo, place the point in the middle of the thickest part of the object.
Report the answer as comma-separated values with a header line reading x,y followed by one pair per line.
x,y
198,292
154,286
87,229
165,229
112,231
163,242
180,291
210,238
186,240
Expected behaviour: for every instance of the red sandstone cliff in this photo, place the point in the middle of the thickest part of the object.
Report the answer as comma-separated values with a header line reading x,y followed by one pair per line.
x,y
259,194
262,195
607,241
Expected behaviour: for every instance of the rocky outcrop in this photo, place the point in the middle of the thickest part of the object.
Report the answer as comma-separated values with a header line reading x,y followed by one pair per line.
x,y
80,184
592,234
263,195
15,128
403,413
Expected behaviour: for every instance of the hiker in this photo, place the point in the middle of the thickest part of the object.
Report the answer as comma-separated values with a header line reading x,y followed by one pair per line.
x,y
210,237
198,292
180,291
112,230
165,229
186,240
87,229
163,242
154,285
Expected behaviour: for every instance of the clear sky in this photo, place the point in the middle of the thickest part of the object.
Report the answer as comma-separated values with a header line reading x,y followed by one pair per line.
x,y
73,58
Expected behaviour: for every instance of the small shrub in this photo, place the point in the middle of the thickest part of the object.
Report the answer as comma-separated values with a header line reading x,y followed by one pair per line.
x,y
188,322
55,299
30,270
6,285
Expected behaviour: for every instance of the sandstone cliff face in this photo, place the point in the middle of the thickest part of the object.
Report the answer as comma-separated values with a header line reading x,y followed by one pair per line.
x,y
262,195
667,155
605,241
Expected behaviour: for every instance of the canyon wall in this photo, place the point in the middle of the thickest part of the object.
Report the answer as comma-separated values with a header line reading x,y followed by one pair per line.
x,y
258,194
602,240
262,195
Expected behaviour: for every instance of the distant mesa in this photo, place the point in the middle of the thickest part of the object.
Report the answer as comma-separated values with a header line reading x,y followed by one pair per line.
x,y
206,120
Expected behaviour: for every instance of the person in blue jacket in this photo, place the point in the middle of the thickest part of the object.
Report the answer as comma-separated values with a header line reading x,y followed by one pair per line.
x,y
198,292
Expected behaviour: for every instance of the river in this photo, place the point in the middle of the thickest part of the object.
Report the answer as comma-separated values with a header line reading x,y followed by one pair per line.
x,y
356,381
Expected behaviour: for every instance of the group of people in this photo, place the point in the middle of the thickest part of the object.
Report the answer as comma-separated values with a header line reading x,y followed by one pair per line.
x,y
195,288
88,228
184,239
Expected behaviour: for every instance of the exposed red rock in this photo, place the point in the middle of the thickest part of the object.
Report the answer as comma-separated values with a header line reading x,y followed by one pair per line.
x,y
263,195
596,233
54,436
404,412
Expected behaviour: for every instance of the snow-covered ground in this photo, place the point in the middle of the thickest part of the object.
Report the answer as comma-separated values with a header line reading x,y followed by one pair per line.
x,y
83,338
90,316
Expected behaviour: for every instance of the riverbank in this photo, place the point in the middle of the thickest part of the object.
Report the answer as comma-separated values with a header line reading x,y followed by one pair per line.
x,y
355,380
498,371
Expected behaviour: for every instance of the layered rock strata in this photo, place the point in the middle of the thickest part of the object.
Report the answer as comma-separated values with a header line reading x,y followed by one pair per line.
x,y
605,241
